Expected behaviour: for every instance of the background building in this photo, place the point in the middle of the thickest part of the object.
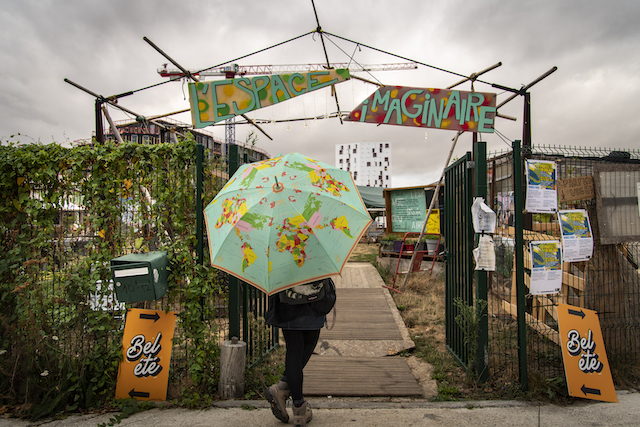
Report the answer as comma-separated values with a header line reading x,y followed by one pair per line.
x,y
151,133
368,162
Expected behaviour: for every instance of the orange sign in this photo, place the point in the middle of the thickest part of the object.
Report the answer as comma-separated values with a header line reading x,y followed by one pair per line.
x,y
585,360
146,344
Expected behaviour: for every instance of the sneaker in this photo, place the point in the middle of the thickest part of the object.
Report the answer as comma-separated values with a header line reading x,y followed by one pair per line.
x,y
277,396
302,415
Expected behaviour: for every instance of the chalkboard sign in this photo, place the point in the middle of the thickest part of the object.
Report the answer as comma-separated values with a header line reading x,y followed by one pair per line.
x,y
408,210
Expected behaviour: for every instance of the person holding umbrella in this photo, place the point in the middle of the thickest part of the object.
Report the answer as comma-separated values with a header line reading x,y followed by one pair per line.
x,y
300,322
285,223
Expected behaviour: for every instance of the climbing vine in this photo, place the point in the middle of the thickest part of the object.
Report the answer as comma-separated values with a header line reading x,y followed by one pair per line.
x,y
64,214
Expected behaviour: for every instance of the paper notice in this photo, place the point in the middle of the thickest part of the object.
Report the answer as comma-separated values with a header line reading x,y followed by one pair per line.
x,y
484,219
546,267
484,254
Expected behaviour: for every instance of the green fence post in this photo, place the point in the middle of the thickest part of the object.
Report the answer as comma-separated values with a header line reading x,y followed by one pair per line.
x,y
199,215
234,282
519,255
482,350
199,207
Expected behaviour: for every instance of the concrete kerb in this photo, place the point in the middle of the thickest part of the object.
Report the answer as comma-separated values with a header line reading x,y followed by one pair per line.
x,y
325,403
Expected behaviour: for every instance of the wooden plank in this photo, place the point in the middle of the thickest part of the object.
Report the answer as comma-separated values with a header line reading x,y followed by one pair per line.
x,y
568,279
359,376
533,323
362,314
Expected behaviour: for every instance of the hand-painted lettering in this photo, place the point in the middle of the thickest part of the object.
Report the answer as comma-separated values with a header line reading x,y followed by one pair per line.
x,y
277,87
247,89
314,83
434,108
264,82
215,101
413,94
292,82
379,99
220,111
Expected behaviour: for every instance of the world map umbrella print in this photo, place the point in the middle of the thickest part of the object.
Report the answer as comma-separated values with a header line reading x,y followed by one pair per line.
x,y
285,221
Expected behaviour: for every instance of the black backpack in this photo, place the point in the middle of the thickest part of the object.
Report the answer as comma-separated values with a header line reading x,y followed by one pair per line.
x,y
320,295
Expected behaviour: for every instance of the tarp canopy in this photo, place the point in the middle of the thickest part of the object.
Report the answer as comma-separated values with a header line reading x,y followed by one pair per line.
x,y
372,196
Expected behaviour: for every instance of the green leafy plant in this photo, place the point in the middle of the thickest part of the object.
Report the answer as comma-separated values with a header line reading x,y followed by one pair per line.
x,y
61,334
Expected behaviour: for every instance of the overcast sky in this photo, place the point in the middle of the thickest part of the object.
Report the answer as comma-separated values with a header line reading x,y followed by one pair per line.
x,y
592,100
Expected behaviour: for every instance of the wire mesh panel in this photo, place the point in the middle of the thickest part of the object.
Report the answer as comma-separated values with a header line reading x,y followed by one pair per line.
x,y
607,283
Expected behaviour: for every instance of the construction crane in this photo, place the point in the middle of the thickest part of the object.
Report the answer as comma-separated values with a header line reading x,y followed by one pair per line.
x,y
234,70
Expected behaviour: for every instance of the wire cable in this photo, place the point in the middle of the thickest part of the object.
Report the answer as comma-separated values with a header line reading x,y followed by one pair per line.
x,y
351,58
227,62
404,58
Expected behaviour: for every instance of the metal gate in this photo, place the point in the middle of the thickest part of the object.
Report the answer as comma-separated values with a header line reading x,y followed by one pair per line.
x,y
459,235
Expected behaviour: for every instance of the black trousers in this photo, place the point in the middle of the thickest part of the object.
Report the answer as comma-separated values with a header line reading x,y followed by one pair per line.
x,y
300,345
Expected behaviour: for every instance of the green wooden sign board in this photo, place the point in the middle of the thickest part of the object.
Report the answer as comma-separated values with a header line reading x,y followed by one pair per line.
x,y
408,210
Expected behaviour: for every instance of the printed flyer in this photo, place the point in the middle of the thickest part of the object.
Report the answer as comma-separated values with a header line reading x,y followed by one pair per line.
x,y
577,238
542,196
485,254
484,219
546,267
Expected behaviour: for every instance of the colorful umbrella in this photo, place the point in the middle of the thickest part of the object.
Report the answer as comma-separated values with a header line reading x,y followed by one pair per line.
x,y
285,221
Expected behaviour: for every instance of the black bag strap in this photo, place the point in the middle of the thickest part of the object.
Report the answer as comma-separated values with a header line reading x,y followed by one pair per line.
x,y
333,322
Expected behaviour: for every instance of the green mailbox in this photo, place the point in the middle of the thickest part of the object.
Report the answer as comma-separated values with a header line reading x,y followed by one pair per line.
x,y
140,277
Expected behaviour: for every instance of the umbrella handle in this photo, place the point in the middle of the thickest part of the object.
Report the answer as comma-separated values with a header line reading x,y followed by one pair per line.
x,y
277,186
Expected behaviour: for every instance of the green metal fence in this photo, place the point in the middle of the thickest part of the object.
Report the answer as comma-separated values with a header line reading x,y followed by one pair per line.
x,y
65,214
523,330
458,197
247,305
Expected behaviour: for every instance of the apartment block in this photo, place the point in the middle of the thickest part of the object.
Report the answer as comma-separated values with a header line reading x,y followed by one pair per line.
x,y
368,162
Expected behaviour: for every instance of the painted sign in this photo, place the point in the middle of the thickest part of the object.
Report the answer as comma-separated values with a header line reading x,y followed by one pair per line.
x,y
218,100
429,108
408,210
433,225
147,340
585,360
579,188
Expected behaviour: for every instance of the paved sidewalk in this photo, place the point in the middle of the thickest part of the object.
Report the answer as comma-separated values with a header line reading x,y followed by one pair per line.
x,y
362,413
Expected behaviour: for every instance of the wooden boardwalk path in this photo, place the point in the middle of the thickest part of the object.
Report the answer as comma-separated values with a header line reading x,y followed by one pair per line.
x,y
358,357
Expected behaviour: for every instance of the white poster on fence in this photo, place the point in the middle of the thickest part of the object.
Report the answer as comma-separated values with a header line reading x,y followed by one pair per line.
x,y
542,194
577,238
485,254
483,218
546,267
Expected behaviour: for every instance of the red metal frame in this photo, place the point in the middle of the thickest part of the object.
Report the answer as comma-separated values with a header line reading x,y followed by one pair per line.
x,y
418,258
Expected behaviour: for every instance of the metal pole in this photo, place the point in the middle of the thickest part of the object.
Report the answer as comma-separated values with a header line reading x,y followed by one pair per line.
x,y
431,205
519,260
480,190
234,282
99,125
527,219
195,79
114,128
199,204
333,87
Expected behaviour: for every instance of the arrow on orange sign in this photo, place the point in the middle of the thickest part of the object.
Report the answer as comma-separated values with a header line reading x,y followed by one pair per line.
x,y
577,313
153,317
586,390
134,393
